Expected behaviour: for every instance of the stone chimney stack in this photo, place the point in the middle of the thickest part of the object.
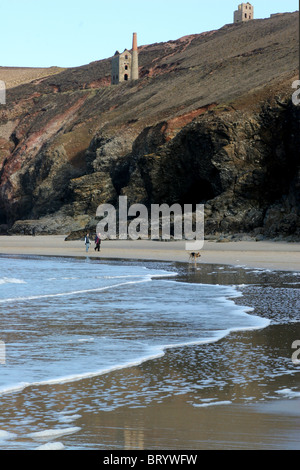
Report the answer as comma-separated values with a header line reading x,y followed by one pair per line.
x,y
135,59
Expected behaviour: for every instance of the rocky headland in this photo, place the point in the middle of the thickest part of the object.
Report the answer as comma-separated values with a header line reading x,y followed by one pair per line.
x,y
210,121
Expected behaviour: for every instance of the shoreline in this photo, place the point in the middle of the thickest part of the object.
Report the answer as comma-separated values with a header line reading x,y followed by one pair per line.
x,y
280,256
256,425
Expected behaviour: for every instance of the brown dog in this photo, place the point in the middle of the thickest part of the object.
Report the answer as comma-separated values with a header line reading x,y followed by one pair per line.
x,y
193,256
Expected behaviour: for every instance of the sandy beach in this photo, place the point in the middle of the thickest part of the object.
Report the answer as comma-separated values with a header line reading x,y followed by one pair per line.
x,y
269,255
174,423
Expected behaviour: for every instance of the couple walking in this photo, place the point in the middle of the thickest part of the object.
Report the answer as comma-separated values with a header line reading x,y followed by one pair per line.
x,y
97,242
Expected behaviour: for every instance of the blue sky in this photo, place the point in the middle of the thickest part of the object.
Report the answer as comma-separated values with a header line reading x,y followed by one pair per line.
x,y
69,33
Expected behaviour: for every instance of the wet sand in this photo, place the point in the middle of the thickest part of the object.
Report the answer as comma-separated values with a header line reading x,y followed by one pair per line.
x,y
168,422
175,423
269,255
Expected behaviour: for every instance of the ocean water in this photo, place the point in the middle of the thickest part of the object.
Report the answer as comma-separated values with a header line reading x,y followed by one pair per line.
x,y
63,321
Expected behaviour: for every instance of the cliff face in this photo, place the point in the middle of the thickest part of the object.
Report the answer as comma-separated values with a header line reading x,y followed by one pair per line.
x,y
243,166
210,121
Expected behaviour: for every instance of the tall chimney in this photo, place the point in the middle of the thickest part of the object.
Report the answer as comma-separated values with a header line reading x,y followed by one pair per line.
x,y
135,59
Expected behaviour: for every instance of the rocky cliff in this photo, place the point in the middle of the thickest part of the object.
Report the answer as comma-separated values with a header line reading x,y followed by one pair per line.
x,y
210,121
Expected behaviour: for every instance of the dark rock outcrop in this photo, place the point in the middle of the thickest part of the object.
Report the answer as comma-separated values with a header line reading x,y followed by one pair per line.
x,y
244,166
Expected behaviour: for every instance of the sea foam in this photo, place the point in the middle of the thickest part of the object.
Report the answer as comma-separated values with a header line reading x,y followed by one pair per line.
x,y
288,393
51,446
53,433
6,280
6,435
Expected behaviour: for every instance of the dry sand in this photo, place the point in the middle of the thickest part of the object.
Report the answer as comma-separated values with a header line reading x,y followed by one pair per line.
x,y
270,255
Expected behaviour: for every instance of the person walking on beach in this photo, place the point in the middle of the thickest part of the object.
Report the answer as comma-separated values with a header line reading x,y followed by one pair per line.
x,y
87,242
98,242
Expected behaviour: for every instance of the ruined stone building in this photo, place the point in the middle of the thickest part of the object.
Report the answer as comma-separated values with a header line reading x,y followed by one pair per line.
x,y
245,12
121,67
125,67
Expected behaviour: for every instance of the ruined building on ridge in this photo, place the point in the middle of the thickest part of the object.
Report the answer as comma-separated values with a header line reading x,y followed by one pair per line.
x,y
125,67
245,12
121,67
